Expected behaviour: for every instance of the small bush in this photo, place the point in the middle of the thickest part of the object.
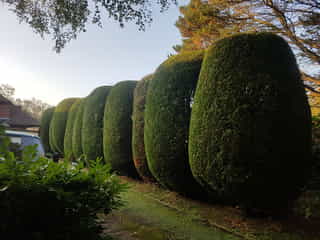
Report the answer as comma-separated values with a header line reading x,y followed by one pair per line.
x,y
68,153
44,128
41,199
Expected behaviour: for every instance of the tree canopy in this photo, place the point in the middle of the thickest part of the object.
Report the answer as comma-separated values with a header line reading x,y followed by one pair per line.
x,y
298,21
65,19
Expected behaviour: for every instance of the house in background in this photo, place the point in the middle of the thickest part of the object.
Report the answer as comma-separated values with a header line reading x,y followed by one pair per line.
x,y
14,118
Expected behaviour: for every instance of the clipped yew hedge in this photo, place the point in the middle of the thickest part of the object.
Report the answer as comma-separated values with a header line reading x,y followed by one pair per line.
x,y
167,117
77,129
92,125
68,153
117,131
138,151
250,130
58,124
44,128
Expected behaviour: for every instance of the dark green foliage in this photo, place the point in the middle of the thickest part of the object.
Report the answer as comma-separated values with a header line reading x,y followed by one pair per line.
x,y
138,151
68,154
58,124
92,125
44,128
117,130
250,129
40,199
77,129
167,117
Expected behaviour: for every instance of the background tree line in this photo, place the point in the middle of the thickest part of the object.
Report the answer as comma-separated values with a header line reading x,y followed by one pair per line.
x,y
33,106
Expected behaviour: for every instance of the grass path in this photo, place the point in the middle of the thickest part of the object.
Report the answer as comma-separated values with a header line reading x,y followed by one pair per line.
x,y
152,213
145,218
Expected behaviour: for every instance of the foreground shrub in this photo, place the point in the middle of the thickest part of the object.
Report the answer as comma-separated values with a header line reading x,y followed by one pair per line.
x,y
68,153
44,128
138,151
92,125
77,129
58,124
40,199
117,130
250,130
167,117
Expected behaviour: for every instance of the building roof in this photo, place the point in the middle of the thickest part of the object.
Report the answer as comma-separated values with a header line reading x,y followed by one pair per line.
x,y
20,118
5,100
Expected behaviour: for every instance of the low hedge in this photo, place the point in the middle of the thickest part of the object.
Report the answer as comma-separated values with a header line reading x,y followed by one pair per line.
x,y
41,199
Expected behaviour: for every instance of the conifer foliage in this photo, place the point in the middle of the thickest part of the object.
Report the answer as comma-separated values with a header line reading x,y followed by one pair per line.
x,y
250,130
167,116
117,129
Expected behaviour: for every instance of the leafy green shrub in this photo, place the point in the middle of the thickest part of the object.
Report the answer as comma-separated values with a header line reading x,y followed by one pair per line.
x,y
58,124
250,129
77,129
68,154
40,199
138,151
117,129
44,128
92,125
167,117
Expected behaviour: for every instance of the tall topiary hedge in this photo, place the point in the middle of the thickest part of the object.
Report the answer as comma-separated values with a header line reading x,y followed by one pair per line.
x,y
77,129
68,153
138,151
44,128
117,130
51,144
58,124
250,130
167,117
92,125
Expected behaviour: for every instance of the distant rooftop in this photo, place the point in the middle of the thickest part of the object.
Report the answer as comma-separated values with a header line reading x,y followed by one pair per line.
x,y
18,118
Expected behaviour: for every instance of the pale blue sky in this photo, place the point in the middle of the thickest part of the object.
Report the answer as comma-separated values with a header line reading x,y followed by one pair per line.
x,y
98,57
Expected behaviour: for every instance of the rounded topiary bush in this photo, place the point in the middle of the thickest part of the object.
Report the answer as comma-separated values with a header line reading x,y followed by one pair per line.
x,y
117,130
77,129
68,153
167,116
51,144
138,151
44,128
58,124
250,129
92,125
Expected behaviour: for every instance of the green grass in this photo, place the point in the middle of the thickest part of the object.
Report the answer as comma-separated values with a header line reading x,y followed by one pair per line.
x,y
151,220
152,213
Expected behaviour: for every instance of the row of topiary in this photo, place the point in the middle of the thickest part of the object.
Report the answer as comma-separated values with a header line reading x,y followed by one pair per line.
x,y
231,124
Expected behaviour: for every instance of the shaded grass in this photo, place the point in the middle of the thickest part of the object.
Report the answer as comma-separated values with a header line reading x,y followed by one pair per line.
x,y
149,204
